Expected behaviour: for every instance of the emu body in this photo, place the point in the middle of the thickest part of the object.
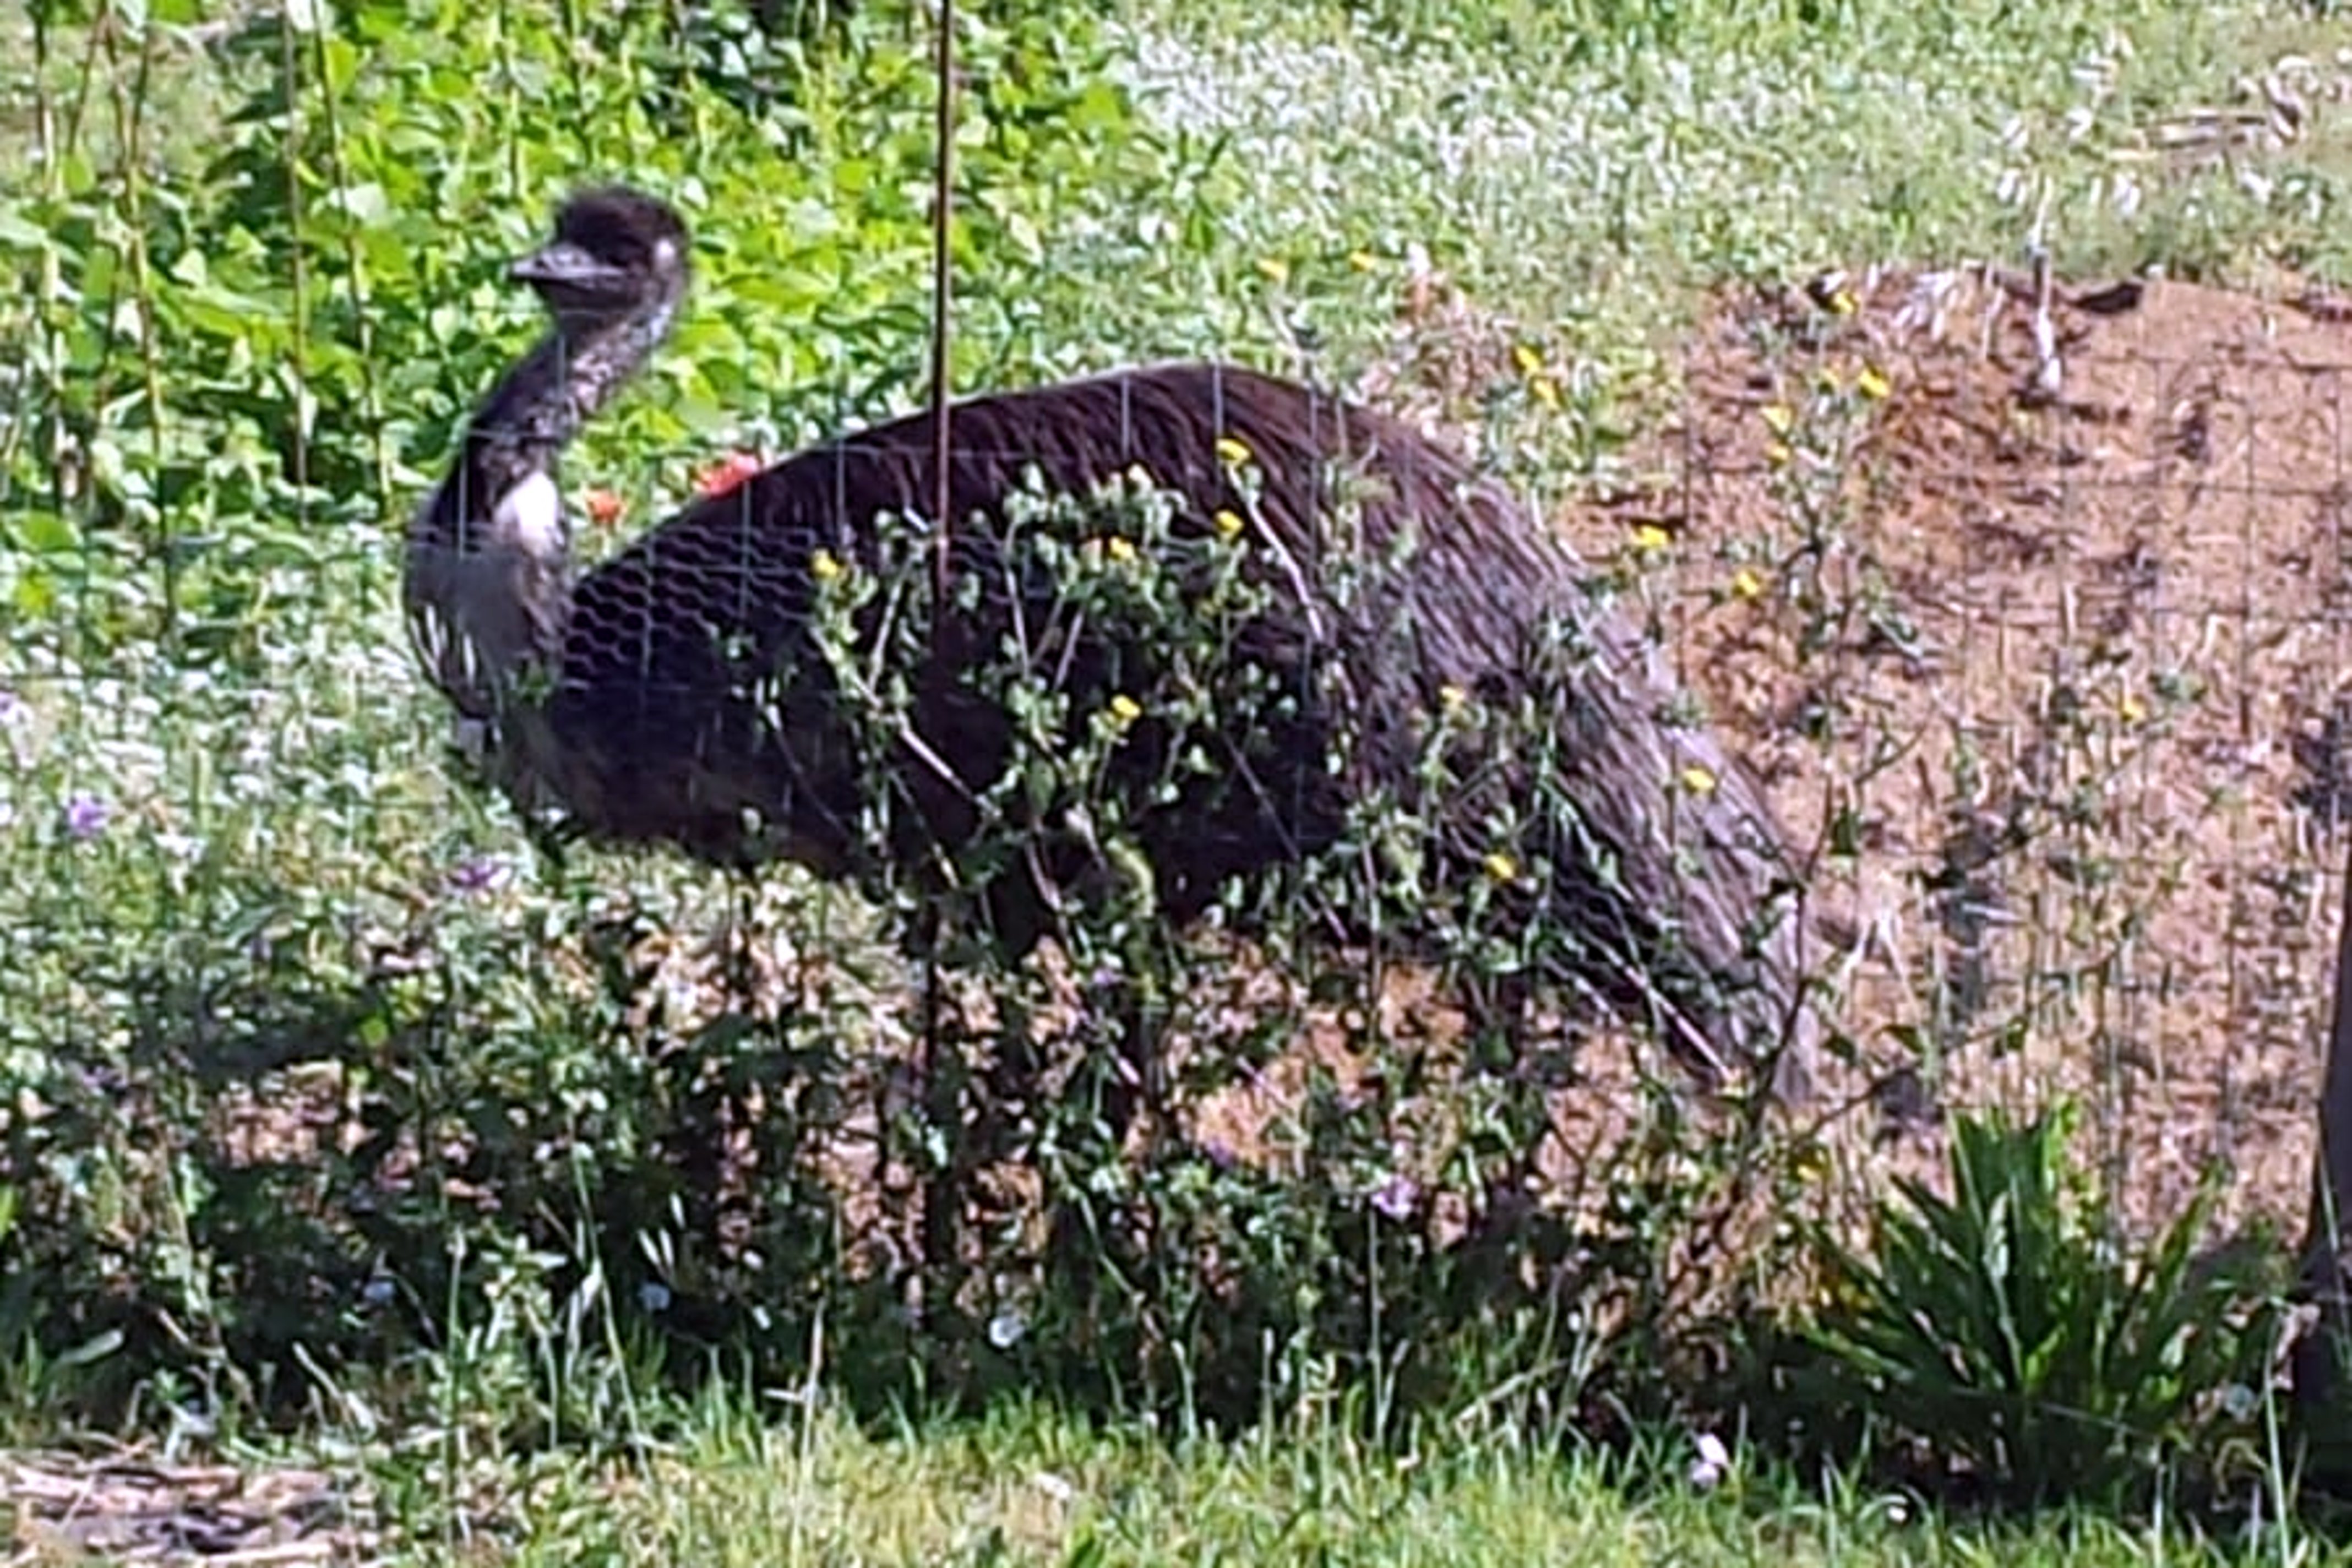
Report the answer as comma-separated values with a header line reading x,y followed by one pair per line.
x,y
618,701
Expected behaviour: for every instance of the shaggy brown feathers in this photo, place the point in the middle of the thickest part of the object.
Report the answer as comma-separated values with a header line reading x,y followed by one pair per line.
x,y
644,729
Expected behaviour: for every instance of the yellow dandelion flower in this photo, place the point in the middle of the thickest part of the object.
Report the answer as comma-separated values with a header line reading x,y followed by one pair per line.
x,y
1119,548
825,567
2132,709
1872,383
1526,359
1780,418
1362,260
1453,698
1545,390
1746,583
1273,268
1229,523
1776,453
1125,709
1232,451
1845,303
1650,537
1502,868
1698,780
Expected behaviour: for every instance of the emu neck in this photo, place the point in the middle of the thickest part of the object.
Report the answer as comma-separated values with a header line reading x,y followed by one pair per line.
x,y
490,555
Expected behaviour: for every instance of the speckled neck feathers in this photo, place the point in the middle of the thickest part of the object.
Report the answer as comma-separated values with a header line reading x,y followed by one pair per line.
x,y
489,570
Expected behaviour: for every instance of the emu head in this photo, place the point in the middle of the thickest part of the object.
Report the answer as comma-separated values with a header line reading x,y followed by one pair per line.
x,y
488,574
618,253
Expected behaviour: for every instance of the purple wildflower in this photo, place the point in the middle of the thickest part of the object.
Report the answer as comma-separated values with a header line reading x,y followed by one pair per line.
x,y
1220,1154
86,818
478,873
106,1080
1396,1197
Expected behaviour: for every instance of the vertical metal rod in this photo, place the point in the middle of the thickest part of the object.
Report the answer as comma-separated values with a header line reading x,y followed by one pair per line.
x,y
2318,1372
942,1079
942,197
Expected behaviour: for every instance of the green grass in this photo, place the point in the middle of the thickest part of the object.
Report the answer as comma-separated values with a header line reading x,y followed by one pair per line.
x,y
1587,174
274,878
1027,1487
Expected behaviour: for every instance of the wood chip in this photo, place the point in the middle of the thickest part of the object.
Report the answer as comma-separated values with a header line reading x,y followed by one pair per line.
x,y
127,1507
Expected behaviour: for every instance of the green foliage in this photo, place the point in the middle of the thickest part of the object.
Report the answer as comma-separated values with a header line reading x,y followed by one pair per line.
x,y
293,332
309,1072
2007,1331
244,888
1600,163
315,1088
1404,1205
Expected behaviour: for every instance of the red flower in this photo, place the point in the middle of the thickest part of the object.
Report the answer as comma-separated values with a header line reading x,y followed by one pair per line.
x,y
603,507
728,473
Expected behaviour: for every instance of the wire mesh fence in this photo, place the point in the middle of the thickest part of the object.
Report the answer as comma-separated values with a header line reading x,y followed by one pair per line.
x,y
2045,656
2037,596
2024,601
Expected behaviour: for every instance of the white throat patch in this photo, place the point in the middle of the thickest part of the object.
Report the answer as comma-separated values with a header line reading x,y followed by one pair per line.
x,y
530,519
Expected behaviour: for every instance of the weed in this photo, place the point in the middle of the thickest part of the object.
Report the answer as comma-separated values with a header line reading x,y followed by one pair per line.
x,y
2006,1332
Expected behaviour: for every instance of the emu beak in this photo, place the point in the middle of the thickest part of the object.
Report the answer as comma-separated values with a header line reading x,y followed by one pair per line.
x,y
562,261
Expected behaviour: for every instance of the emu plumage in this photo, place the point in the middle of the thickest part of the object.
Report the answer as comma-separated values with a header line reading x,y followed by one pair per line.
x,y
616,702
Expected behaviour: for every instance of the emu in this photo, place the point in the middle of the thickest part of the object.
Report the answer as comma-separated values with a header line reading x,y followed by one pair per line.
x,y
607,702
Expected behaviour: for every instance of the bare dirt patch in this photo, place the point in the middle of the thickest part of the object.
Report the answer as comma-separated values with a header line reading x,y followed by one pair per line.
x,y
2039,593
